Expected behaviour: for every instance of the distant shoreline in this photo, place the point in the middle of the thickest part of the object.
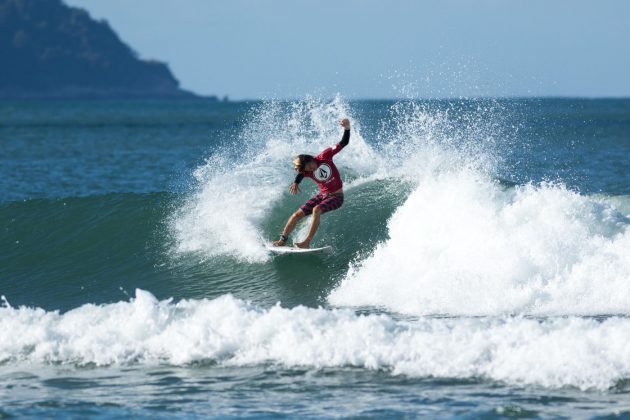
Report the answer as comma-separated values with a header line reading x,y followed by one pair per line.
x,y
215,99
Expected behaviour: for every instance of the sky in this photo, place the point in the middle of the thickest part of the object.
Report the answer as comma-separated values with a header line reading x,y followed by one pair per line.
x,y
375,49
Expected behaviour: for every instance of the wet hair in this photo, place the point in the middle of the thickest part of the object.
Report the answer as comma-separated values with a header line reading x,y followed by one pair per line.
x,y
300,161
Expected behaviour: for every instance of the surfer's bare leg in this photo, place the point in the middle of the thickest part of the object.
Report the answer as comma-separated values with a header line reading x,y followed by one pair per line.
x,y
290,226
317,212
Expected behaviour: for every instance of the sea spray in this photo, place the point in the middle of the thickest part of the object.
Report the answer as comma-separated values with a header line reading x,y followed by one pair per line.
x,y
239,185
421,138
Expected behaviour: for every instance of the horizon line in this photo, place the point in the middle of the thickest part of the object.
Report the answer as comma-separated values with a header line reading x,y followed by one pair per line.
x,y
227,99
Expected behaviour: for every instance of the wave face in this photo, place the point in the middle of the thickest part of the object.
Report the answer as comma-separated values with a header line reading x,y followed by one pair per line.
x,y
580,352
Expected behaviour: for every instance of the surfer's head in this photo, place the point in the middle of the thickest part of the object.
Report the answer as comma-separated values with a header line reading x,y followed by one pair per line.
x,y
300,162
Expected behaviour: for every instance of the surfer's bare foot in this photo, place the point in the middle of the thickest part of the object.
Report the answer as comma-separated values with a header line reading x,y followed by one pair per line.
x,y
304,244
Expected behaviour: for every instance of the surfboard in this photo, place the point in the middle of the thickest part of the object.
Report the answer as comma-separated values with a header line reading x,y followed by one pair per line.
x,y
293,250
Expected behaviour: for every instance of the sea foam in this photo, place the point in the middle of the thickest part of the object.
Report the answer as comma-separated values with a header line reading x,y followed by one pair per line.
x,y
567,351
462,244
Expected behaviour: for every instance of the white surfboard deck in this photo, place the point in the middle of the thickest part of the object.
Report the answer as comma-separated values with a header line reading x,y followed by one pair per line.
x,y
294,250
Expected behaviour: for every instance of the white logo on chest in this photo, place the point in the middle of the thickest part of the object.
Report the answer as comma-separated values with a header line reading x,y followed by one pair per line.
x,y
323,173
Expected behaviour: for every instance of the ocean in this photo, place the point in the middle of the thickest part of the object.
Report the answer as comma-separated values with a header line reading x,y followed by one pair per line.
x,y
480,265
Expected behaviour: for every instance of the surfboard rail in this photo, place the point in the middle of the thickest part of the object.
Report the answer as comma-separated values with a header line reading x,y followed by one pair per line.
x,y
295,250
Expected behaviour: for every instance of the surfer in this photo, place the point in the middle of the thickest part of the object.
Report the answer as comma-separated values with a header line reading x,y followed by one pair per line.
x,y
323,171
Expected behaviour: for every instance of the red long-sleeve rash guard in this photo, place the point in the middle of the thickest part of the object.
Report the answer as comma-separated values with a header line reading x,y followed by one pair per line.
x,y
326,176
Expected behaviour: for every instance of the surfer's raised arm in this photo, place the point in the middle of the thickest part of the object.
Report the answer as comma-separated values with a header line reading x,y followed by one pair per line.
x,y
345,123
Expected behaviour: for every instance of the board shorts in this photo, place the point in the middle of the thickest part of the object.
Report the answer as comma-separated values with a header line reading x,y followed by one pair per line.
x,y
326,202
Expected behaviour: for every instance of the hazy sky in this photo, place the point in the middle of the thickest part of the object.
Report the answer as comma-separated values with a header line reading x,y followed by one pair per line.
x,y
381,48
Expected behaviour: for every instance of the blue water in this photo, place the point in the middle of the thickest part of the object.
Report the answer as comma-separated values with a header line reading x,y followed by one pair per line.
x,y
481,261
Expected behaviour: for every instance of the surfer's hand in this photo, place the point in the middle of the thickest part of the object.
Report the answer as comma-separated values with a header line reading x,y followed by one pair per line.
x,y
293,189
345,123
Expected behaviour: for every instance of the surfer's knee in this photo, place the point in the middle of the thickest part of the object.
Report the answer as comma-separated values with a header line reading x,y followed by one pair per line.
x,y
299,213
317,210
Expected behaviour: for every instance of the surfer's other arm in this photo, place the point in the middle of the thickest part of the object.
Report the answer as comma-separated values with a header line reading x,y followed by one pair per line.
x,y
294,189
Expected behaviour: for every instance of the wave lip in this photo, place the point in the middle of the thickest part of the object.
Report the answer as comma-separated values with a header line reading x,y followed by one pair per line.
x,y
568,351
462,245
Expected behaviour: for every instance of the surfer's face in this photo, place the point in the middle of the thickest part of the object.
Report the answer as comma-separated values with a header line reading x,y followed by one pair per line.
x,y
298,165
